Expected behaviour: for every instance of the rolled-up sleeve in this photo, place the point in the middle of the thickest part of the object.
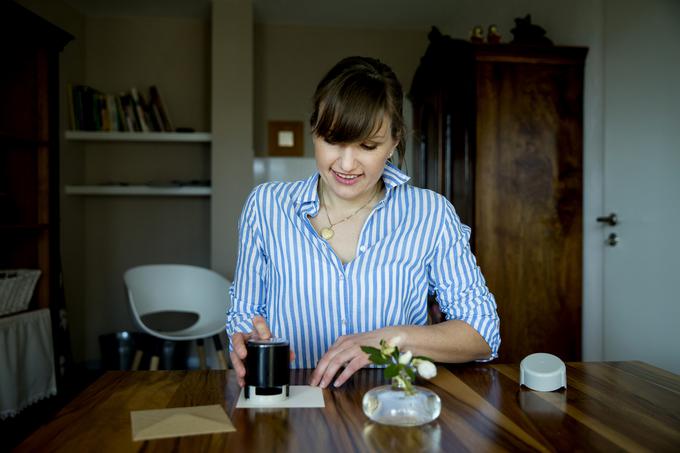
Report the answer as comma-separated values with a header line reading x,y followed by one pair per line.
x,y
248,288
458,283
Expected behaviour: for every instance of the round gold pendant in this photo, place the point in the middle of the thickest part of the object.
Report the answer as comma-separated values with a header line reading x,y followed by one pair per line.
x,y
327,233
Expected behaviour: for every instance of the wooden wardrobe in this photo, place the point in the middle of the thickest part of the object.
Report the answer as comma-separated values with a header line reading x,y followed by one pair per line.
x,y
498,131
29,147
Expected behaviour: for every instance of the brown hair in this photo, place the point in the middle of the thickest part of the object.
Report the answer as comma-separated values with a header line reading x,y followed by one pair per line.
x,y
352,100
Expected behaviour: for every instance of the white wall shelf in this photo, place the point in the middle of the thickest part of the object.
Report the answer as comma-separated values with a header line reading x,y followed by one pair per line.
x,y
196,137
103,190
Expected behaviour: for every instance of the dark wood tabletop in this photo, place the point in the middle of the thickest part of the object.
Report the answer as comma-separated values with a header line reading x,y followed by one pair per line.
x,y
607,406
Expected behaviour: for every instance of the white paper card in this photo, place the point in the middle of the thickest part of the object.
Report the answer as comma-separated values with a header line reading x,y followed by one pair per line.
x,y
299,396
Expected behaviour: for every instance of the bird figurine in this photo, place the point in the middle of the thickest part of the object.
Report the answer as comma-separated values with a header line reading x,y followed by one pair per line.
x,y
477,34
492,35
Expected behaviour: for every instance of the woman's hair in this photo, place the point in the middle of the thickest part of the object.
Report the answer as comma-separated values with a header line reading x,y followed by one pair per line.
x,y
351,101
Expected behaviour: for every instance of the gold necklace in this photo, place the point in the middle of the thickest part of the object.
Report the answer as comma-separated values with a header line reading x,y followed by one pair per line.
x,y
327,232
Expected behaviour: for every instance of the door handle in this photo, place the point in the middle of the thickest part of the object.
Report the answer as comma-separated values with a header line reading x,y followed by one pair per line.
x,y
611,220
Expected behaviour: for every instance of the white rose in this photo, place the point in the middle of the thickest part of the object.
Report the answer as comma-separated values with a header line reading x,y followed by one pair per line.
x,y
386,349
405,358
426,369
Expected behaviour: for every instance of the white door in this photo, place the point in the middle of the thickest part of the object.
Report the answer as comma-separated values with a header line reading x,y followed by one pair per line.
x,y
642,181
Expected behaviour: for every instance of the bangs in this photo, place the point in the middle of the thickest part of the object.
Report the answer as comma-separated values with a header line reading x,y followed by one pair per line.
x,y
352,113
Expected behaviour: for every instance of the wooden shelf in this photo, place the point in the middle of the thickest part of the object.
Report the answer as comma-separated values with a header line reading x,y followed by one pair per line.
x,y
153,191
195,137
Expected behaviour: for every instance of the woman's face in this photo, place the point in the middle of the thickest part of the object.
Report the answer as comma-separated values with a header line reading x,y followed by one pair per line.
x,y
351,171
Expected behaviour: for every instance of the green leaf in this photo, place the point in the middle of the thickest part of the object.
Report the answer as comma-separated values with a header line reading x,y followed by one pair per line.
x,y
370,350
395,353
391,371
411,373
378,359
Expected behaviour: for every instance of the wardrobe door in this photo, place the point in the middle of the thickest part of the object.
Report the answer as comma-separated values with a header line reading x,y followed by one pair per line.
x,y
528,200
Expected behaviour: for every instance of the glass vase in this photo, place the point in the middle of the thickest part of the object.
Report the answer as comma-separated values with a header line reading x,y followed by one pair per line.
x,y
391,405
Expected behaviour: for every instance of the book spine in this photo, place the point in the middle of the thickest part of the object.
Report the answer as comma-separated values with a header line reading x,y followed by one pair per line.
x,y
162,110
113,113
70,101
122,123
88,109
78,107
131,113
139,110
148,114
104,117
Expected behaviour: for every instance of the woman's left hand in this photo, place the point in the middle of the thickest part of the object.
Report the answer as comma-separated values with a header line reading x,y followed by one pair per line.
x,y
346,352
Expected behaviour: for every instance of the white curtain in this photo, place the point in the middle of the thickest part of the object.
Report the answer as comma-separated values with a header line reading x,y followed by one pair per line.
x,y
26,361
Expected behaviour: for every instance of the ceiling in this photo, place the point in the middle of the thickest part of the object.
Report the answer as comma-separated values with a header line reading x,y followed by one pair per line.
x,y
344,13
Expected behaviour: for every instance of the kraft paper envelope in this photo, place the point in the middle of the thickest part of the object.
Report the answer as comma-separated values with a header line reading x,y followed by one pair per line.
x,y
179,421
298,396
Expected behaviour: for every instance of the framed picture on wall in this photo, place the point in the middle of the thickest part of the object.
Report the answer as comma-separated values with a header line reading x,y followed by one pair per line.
x,y
285,138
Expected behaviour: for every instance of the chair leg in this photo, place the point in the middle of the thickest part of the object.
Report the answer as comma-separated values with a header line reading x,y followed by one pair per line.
x,y
153,365
219,350
137,360
156,353
201,353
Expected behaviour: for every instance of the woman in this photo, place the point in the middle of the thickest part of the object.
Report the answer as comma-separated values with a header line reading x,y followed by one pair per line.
x,y
347,257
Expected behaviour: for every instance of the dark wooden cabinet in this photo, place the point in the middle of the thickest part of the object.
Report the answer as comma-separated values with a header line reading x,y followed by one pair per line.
x,y
29,169
498,131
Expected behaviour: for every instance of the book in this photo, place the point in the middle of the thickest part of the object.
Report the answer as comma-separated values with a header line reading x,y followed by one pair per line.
x,y
103,111
148,115
157,101
131,113
89,108
71,107
78,108
141,117
122,122
113,112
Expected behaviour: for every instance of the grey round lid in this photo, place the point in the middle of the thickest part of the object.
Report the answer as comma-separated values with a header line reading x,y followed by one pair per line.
x,y
543,372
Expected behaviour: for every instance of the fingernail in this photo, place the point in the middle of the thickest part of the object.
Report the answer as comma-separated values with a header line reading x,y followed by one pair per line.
x,y
323,384
336,384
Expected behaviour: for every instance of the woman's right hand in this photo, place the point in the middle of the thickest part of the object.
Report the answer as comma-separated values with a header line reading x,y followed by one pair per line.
x,y
239,351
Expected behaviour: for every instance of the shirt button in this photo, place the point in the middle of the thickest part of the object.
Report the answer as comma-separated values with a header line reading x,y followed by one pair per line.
x,y
362,248
342,277
344,322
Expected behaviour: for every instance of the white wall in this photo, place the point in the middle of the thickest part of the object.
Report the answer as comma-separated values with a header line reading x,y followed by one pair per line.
x,y
291,60
232,126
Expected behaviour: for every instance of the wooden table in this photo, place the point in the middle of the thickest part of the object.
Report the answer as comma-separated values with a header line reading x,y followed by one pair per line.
x,y
607,406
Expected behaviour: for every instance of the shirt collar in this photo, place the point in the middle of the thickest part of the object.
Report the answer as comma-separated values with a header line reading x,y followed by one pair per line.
x,y
308,195
393,177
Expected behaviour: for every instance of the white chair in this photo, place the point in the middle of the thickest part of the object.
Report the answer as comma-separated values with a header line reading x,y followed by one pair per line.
x,y
178,303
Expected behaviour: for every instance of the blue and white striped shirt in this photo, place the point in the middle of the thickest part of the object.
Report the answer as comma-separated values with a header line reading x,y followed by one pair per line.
x,y
412,244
